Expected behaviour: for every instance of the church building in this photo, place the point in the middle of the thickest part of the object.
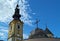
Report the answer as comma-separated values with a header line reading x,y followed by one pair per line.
x,y
39,34
15,32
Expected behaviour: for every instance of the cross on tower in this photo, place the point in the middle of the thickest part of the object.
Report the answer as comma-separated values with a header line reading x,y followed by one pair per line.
x,y
37,21
18,1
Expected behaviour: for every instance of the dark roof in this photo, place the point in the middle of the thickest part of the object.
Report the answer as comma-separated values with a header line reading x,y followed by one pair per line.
x,y
16,14
47,31
38,33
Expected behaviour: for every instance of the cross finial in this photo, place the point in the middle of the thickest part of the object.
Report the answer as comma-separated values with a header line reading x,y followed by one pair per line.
x,y
37,21
18,1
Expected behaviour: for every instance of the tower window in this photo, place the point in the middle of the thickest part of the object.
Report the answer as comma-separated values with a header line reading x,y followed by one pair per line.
x,y
18,26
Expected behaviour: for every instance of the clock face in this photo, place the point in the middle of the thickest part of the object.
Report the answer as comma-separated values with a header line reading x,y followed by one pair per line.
x,y
10,39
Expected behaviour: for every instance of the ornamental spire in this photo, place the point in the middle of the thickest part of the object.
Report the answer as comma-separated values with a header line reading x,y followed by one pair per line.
x,y
16,14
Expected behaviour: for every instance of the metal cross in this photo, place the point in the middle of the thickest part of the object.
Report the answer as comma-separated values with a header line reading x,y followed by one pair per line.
x,y
37,21
19,0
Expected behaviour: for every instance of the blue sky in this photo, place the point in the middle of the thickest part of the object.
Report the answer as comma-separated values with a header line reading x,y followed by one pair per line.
x,y
47,11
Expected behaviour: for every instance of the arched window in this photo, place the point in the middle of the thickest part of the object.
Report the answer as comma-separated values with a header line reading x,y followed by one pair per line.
x,y
18,26
10,28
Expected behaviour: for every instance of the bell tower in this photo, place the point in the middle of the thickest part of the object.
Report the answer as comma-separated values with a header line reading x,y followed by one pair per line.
x,y
16,27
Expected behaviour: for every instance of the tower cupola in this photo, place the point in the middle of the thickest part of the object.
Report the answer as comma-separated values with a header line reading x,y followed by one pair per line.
x,y
16,14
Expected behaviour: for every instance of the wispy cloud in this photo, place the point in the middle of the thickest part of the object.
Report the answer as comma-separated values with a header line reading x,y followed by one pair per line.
x,y
3,33
25,36
4,30
8,7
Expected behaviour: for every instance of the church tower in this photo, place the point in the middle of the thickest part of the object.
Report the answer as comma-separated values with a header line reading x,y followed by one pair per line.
x,y
16,27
